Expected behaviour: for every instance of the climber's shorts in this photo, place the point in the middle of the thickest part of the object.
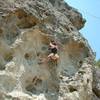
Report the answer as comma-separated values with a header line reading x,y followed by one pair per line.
x,y
54,50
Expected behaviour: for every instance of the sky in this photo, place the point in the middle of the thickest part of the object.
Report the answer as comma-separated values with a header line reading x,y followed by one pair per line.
x,y
91,31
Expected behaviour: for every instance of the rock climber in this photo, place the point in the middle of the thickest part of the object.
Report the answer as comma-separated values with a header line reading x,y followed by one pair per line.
x,y
53,51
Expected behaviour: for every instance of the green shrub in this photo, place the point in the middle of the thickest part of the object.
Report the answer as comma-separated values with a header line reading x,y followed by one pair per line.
x,y
97,63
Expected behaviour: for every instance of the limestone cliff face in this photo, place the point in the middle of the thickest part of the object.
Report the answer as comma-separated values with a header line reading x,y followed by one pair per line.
x,y
26,28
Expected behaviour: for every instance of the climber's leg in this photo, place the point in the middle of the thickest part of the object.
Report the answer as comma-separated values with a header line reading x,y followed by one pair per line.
x,y
50,56
43,60
57,56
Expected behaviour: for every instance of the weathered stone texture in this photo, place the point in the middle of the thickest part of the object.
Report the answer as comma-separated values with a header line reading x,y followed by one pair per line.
x,y
26,28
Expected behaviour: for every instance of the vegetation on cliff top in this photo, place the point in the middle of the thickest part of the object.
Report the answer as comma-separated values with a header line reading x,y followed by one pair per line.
x,y
97,63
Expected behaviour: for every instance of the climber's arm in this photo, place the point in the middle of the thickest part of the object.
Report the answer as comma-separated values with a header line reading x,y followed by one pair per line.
x,y
51,45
